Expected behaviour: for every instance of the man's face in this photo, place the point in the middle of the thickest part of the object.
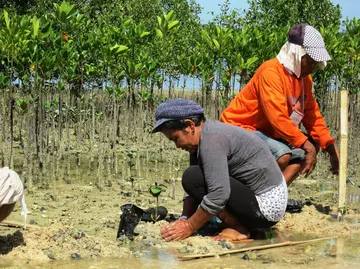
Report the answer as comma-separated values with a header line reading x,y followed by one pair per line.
x,y
308,65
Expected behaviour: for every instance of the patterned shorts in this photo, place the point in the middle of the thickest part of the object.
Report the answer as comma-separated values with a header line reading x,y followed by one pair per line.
x,y
273,202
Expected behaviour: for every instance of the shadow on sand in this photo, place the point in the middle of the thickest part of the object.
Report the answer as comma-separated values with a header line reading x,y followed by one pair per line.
x,y
10,241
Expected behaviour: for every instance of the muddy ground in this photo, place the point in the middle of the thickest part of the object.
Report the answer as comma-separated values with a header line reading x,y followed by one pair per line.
x,y
79,222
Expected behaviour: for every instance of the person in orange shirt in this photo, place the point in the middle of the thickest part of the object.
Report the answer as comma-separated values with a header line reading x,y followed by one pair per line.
x,y
279,98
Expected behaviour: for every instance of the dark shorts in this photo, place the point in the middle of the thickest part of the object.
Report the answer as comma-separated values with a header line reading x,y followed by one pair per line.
x,y
279,147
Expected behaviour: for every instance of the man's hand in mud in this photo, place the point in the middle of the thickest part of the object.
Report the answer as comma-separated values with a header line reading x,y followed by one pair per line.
x,y
310,158
177,230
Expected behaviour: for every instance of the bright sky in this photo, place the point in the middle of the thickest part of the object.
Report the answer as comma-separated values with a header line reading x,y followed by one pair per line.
x,y
349,8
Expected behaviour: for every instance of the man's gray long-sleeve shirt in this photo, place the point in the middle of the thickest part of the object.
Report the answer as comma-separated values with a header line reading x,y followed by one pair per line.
x,y
227,150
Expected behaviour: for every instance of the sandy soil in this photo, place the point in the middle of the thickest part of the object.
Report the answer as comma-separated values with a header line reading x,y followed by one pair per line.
x,y
76,222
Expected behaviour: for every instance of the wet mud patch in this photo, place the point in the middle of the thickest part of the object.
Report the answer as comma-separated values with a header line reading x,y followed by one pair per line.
x,y
149,236
57,242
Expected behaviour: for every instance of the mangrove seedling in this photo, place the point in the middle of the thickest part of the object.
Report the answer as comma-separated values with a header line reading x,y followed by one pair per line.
x,y
155,191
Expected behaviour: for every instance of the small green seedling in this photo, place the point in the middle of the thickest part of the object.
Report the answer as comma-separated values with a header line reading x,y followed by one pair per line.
x,y
155,191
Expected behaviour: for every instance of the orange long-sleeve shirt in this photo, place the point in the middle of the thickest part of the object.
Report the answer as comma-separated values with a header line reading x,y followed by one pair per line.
x,y
266,103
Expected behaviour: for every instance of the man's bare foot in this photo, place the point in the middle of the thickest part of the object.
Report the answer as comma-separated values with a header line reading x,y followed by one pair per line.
x,y
229,234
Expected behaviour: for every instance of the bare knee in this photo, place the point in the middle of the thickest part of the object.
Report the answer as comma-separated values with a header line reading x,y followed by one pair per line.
x,y
283,161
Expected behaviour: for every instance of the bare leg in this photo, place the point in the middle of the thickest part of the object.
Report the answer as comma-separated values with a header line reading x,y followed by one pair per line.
x,y
233,229
290,171
283,161
5,211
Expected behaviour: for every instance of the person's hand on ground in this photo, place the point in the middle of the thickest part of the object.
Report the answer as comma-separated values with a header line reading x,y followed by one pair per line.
x,y
177,230
334,158
310,158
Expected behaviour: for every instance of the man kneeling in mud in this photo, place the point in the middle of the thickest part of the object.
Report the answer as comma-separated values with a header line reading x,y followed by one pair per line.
x,y
232,175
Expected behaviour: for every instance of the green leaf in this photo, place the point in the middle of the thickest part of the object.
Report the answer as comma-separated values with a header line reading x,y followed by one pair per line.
x,y
218,30
155,191
170,15
35,48
3,80
36,26
159,33
119,49
127,22
144,34
225,80
47,29
79,18
7,19
100,116
251,61
160,21
173,24
216,43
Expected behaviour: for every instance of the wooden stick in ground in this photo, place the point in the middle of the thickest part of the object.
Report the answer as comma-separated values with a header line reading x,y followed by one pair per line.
x,y
343,148
17,224
243,241
283,244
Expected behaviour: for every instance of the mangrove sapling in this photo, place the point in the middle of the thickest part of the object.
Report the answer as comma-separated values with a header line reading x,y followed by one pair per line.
x,y
131,155
147,161
54,148
108,156
110,123
138,166
123,172
29,153
92,133
12,106
172,178
102,134
67,132
3,121
114,139
79,134
155,191
77,166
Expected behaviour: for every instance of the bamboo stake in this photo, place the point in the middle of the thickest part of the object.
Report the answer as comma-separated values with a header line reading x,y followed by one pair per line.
x,y
343,148
283,244
16,224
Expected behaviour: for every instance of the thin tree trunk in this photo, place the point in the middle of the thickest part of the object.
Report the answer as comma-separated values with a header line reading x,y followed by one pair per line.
x,y
11,158
3,123
67,130
92,136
